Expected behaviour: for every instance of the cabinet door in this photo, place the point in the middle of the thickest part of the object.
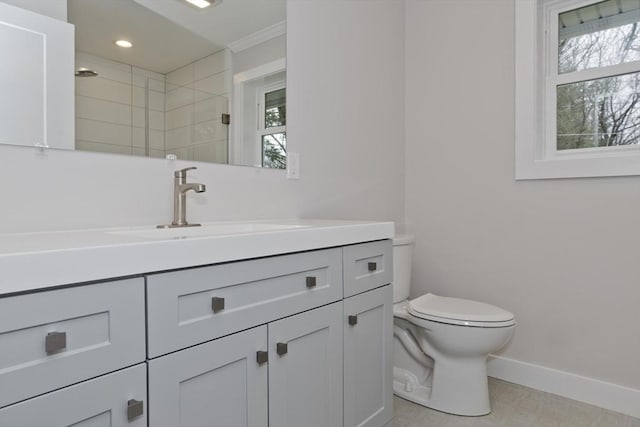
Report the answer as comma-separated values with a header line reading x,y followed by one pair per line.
x,y
114,400
36,79
368,365
219,383
305,369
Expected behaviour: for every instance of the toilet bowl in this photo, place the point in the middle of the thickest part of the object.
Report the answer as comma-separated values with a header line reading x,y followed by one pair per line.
x,y
441,344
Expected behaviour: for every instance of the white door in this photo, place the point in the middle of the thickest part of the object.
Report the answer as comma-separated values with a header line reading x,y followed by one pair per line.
x,y
113,400
36,79
219,383
368,365
305,369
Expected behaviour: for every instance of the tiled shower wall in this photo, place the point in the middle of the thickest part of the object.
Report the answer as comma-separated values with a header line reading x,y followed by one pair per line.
x,y
185,120
197,96
110,108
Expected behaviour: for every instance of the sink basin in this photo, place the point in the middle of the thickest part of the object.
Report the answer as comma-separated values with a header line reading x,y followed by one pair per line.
x,y
205,230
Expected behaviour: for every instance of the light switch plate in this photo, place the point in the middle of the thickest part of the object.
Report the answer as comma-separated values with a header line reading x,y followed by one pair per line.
x,y
293,165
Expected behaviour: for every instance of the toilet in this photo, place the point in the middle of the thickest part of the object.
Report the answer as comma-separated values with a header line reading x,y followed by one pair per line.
x,y
441,344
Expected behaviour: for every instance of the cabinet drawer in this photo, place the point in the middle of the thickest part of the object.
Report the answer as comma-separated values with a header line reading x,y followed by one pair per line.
x,y
367,266
56,338
103,401
188,307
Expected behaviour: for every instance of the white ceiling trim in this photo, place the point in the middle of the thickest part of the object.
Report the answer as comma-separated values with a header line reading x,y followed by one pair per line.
x,y
258,37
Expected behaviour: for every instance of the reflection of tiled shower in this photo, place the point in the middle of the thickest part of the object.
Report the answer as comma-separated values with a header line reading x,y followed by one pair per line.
x,y
196,98
128,110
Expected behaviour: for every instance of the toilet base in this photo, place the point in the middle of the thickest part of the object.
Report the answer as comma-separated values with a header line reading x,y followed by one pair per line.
x,y
461,388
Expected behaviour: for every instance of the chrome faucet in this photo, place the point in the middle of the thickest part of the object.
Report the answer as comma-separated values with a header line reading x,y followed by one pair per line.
x,y
180,188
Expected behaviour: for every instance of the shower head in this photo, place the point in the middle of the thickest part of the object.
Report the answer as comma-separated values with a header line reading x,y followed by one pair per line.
x,y
85,72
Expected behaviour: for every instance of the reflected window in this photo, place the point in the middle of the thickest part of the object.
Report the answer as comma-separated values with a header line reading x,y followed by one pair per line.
x,y
272,127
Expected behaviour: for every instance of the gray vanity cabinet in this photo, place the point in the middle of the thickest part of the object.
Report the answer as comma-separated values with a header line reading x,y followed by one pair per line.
x,y
300,339
305,369
368,352
113,400
224,382
50,340
219,383
368,334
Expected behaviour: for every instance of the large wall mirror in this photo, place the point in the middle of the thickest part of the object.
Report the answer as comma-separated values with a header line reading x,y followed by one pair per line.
x,y
172,79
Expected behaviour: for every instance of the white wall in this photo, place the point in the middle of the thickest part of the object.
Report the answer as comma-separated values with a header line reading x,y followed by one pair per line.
x,y
260,54
348,78
560,254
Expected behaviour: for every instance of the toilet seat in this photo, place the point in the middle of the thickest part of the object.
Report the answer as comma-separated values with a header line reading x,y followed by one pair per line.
x,y
457,311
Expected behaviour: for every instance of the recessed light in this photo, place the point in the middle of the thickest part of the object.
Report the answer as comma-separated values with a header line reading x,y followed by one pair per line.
x,y
199,3
124,43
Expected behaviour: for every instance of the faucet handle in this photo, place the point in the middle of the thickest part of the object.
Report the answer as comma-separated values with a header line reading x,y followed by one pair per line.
x,y
182,173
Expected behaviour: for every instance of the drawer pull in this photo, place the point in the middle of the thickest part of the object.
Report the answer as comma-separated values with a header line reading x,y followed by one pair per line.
x,y
55,341
372,266
311,281
353,319
135,408
217,304
262,357
282,348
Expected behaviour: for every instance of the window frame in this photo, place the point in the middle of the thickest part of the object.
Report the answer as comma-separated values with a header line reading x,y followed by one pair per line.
x,y
537,78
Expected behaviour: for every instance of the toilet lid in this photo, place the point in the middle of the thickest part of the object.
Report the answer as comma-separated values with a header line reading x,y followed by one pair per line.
x,y
457,309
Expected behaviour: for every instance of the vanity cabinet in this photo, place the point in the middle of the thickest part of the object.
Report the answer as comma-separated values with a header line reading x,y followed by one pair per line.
x,y
113,400
305,369
368,364
224,382
301,339
57,346
368,334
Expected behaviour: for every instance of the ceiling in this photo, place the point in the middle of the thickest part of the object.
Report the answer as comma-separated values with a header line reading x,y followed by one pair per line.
x,y
166,34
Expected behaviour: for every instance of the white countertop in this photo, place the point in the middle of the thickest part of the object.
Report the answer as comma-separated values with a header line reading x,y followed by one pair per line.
x,y
30,261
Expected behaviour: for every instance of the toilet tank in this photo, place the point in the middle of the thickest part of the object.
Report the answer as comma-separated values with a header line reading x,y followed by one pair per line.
x,y
402,257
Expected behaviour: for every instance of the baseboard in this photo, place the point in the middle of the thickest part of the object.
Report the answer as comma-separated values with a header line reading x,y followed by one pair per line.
x,y
595,392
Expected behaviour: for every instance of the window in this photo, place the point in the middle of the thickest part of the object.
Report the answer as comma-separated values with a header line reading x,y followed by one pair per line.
x,y
577,88
273,126
259,131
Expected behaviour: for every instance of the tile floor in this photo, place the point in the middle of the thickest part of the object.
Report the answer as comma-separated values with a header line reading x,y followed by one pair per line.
x,y
515,406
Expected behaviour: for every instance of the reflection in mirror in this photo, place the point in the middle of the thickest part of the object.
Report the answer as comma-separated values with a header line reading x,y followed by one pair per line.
x,y
172,92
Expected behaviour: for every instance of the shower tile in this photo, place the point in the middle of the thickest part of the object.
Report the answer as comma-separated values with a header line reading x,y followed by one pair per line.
x,y
98,87
179,117
109,133
106,111
212,64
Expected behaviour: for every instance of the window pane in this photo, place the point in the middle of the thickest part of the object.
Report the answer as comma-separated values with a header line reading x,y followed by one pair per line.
x,y
598,35
599,113
275,108
274,151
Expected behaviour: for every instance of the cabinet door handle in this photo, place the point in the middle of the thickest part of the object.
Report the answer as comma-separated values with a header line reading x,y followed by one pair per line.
x,y
217,304
135,408
55,341
311,281
353,319
262,357
372,266
282,348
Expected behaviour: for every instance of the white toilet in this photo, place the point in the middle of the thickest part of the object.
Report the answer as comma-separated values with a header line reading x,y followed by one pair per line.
x,y
441,344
